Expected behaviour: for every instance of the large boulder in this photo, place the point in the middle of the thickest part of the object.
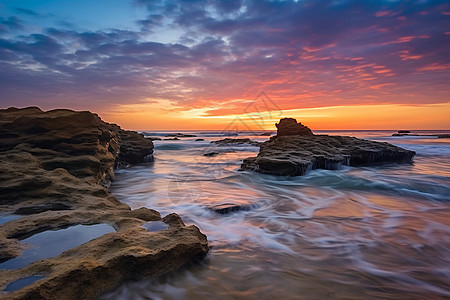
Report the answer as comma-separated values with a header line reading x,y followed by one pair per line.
x,y
55,169
294,155
289,126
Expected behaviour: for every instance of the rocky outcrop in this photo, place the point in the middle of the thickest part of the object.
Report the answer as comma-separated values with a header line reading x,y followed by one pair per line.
x,y
289,126
294,155
55,168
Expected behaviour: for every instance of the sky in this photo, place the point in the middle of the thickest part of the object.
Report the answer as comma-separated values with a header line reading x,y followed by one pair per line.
x,y
205,64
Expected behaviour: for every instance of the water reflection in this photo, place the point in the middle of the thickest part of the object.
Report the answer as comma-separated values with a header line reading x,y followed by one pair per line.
x,y
354,233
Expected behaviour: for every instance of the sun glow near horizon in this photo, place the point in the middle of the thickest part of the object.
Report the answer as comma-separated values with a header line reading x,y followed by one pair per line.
x,y
163,115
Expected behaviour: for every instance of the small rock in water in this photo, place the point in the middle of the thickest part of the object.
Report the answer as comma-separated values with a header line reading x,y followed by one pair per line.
x,y
180,135
229,141
199,140
211,154
227,208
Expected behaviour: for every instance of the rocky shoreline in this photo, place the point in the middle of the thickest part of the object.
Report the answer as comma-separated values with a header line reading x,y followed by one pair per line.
x,y
56,167
295,150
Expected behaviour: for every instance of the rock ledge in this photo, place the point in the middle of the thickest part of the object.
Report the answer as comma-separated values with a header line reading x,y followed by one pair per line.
x,y
56,166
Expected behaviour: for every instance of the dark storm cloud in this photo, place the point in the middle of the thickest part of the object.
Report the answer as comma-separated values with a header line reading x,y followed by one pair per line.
x,y
338,52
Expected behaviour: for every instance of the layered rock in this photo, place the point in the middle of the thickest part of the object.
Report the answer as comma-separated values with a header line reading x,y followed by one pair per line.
x,y
55,167
294,155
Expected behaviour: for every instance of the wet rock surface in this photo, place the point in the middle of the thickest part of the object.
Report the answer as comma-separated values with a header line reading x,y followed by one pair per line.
x,y
227,208
294,155
56,167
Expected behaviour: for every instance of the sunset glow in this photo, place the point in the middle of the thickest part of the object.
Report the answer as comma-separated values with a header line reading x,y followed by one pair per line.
x,y
201,64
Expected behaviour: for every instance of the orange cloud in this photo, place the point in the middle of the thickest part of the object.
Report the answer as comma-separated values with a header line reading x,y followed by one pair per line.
x,y
435,67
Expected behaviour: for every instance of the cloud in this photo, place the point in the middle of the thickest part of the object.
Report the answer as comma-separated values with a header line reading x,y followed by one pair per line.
x,y
303,54
10,24
28,12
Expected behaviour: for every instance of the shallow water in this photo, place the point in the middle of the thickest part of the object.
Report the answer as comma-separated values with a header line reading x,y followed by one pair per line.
x,y
51,243
155,226
21,283
354,233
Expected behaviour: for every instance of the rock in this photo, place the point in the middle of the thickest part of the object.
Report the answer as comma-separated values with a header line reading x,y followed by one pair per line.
x,y
154,138
439,136
172,139
295,155
289,126
227,208
199,140
211,154
180,135
134,148
55,167
266,134
231,142
404,131
400,134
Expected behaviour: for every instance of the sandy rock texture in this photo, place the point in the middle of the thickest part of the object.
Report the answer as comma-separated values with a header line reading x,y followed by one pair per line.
x,y
296,151
55,169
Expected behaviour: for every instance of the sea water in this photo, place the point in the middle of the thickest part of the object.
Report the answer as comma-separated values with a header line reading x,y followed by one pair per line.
x,y
354,233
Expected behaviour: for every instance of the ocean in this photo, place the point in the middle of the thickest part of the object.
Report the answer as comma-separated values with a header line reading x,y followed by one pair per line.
x,y
355,233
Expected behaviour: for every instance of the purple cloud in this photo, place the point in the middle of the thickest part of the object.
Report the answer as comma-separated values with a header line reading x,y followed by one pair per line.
x,y
305,54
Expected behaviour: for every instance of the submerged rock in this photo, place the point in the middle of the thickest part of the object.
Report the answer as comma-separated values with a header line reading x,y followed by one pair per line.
x,y
231,142
182,135
266,134
294,155
211,153
55,167
227,208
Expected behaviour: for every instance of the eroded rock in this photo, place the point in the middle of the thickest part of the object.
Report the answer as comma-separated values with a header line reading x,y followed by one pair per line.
x,y
56,166
294,155
289,126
